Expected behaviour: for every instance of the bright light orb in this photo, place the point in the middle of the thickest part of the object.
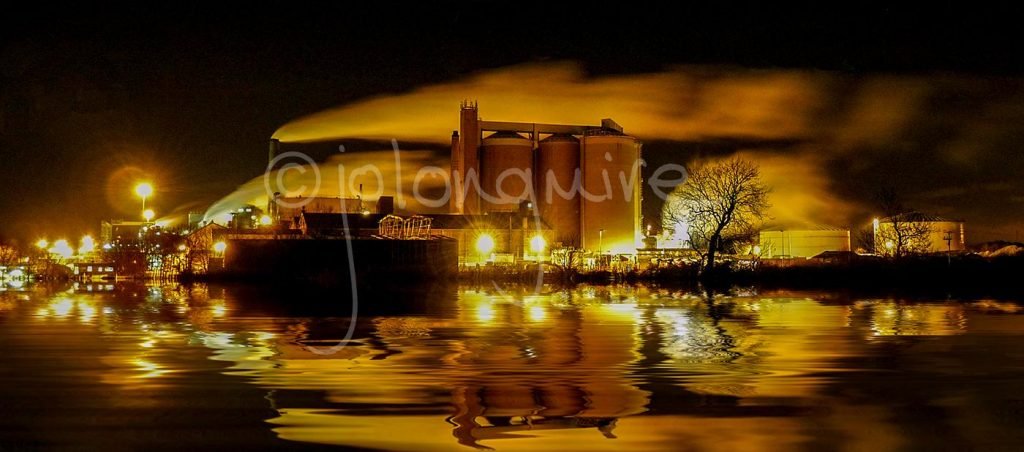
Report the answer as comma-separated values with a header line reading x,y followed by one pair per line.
x,y
144,189
537,244
266,220
485,244
62,249
220,247
148,214
88,245
43,243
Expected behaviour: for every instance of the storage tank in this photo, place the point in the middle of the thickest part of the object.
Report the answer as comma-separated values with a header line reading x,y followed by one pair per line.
x,y
805,242
611,192
557,162
506,158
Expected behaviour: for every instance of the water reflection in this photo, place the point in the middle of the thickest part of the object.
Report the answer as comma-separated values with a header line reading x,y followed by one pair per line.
x,y
593,368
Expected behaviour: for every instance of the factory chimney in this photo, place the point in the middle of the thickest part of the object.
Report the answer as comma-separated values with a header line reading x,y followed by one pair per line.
x,y
455,203
469,146
273,149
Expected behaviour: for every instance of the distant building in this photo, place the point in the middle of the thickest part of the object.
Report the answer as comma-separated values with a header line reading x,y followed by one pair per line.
x,y
495,237
802,242
199,248
288,209
121,232
509,158
94,271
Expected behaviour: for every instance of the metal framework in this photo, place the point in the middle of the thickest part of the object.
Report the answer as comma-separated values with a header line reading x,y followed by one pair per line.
x,y
416,227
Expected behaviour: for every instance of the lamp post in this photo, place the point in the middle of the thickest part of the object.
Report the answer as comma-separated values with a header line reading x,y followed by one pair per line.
x,y
948,237
144,190
874,236
484,245
537,245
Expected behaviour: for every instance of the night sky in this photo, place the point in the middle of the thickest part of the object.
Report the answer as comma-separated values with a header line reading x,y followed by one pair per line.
x,y
92,99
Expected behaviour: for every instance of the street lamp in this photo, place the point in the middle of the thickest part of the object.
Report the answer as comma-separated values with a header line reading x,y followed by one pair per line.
x,y
144,190
148,215
874,236
537,245
485,244
948,237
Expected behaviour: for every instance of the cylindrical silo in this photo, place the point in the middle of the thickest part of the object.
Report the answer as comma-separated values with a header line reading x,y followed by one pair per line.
x,y
610,208
557,199
505,171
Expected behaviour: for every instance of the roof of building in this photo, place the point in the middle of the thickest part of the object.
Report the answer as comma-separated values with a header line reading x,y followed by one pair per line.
x,y
494,220
337,221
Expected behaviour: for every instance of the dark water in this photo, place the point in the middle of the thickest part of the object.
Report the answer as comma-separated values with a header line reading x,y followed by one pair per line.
x,y
457,368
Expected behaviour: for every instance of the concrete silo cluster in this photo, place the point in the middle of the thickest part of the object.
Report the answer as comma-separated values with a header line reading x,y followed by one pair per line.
x,y
582,180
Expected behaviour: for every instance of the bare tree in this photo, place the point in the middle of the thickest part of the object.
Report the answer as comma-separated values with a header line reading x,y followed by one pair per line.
x,y
719,203
567,262
904,230
8,255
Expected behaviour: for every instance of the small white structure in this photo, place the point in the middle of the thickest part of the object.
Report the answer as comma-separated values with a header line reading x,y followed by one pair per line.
x,y
802,242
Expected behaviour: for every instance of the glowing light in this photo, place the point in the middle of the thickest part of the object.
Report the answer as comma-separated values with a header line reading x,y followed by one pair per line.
x,y
220,247
86,312
485,312
62,249
485,244
266,220
757,249
537,313
16,273
218,310
149,368
144,189
181,247
62,307
43,243
148,214
88,245
889,244
537,244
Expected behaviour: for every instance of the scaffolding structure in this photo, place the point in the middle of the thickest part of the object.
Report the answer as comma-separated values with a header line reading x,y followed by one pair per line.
x,y
416,227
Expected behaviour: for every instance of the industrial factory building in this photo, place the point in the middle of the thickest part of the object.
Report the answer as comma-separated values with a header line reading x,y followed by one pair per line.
x,y
585,179
518,191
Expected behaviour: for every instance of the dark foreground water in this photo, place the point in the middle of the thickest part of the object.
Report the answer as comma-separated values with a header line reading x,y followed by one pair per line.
x,y
456,368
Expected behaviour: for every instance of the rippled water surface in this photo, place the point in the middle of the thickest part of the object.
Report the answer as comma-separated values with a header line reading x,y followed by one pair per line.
x,y
461,367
